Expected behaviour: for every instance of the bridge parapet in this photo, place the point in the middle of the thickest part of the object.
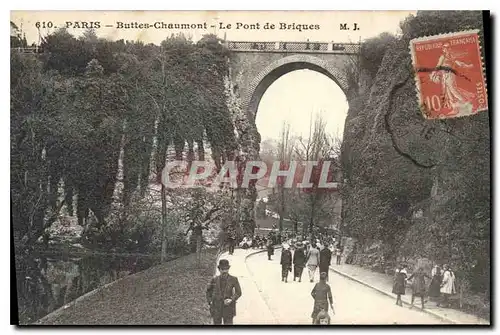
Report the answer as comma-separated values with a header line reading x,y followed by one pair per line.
x,y
294,47
28,50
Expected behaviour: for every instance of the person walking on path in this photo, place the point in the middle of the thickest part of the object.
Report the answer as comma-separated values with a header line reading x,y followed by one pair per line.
x,y
435,286
399,284
286,262
418,285
322,295
231,240
447,286
299,261
338,253
313,259
325,256
222,293
270,249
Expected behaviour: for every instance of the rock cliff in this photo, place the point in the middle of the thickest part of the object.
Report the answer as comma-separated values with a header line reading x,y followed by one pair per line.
x,y
422,187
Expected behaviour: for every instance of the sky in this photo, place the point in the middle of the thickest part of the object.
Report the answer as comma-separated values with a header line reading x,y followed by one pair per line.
x,y
295,97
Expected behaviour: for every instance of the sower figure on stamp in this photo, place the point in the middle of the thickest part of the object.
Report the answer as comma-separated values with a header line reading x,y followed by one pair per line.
x,y
454,96
222,293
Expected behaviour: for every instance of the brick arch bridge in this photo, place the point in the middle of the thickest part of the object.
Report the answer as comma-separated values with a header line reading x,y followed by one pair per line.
x,y
254,66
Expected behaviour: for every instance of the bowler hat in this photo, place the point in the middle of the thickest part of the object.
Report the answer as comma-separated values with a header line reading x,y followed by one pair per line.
x,y
223,264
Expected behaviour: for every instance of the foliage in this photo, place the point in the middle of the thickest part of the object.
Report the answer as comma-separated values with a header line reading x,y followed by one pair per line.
x,y
373,50
444,176
311,207
87,104
428,23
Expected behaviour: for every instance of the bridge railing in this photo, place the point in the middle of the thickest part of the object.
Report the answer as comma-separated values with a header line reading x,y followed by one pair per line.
x,y
27,50
345,48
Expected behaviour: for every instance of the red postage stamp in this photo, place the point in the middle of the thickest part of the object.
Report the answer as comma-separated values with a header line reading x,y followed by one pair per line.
x,y
449,75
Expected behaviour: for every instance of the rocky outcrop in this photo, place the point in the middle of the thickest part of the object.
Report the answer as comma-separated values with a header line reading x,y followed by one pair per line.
x,y
248,144
420,186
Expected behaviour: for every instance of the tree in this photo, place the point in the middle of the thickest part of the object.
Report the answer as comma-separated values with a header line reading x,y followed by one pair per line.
x,y
204,208
34,168
17,40
285,152
313,206
90,115
318,147
189,101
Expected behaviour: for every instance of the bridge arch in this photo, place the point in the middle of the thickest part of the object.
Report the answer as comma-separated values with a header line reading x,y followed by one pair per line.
x,y
254,66
282,66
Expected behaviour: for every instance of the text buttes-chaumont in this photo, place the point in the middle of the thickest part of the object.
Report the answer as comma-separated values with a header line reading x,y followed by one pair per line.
x,y
160,25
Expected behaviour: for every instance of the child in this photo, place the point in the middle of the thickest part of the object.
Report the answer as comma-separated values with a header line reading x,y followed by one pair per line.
x,y
270,249
322,294
418,285
399,284
322,318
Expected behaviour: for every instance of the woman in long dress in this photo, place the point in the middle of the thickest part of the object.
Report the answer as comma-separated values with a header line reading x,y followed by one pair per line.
x,y
447,285
435,286
312,261
399,284
286,262
455,97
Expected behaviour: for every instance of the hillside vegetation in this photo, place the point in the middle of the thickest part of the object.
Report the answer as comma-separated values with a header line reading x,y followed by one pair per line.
x,y
417,190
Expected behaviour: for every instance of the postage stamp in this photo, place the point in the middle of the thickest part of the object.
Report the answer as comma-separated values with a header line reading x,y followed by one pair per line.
x,y
449,74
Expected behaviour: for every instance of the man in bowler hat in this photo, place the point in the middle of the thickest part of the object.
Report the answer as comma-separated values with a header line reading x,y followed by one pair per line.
x,y
222,294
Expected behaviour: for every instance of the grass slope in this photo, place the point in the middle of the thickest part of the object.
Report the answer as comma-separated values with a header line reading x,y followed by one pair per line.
x,y
169,294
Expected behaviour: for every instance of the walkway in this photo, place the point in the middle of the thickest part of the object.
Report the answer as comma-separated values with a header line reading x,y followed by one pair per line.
x,y
383,283
251,307
267,300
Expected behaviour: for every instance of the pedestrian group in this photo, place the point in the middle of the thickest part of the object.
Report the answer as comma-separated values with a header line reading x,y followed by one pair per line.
x,y
441,287
309,255
224,290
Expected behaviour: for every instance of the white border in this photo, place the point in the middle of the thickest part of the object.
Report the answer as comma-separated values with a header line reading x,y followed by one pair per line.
x,y
199,5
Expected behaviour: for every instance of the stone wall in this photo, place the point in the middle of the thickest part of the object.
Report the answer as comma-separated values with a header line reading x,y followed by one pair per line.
x,y
251,73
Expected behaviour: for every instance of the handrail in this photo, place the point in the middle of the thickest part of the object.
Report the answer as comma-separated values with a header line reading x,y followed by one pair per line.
x,y
296,46
27,49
